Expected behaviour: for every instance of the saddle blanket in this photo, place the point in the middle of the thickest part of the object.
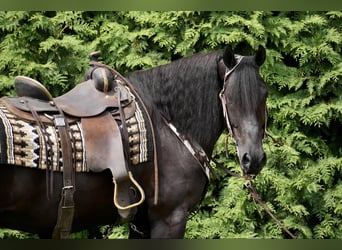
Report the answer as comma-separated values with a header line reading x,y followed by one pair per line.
x,y
23,144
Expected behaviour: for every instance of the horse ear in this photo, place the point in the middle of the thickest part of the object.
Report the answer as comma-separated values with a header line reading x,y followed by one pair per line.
x,y
260,55
228,57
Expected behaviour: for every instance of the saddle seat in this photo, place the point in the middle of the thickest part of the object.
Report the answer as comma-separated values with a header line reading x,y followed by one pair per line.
x,y
84,100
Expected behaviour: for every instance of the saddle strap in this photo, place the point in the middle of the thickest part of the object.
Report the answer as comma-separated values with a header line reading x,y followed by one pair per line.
x,y
48,148
66,206
155,157
105,150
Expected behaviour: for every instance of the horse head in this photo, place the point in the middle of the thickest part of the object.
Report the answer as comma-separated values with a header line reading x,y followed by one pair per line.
x,y
243,98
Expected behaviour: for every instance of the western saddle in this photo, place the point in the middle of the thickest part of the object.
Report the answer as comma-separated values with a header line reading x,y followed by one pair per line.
x,y
99,102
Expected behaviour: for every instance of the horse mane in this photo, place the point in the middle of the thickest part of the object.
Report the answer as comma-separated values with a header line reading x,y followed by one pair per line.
x,y
186,91
243,90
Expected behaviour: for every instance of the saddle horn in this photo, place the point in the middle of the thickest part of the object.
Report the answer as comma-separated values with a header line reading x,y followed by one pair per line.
x,y
103,78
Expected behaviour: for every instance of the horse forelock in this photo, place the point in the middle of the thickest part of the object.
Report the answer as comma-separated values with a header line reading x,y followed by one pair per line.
x,y
246,89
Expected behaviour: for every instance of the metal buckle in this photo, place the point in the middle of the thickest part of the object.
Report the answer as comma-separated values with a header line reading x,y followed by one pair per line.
x,y
59,121
67,187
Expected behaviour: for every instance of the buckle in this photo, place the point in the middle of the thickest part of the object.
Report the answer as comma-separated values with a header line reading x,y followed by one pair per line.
x,y
59,121
67,187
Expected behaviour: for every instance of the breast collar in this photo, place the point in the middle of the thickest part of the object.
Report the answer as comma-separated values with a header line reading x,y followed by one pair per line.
x,y
195,149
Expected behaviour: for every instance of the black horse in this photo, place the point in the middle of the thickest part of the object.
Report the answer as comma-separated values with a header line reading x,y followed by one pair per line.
x,y
199,95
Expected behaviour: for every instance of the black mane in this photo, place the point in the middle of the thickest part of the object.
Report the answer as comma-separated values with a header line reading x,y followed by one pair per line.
x,y
186,91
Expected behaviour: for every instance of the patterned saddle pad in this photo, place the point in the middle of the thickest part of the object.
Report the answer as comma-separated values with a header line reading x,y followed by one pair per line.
x,y
22,144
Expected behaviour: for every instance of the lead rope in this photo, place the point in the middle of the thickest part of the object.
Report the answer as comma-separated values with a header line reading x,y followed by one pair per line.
x,y
252,191
257,198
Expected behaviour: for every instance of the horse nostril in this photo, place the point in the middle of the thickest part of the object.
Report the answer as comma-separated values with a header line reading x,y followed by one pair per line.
x,y
246,160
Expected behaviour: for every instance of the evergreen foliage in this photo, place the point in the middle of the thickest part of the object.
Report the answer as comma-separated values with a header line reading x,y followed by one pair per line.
x,y
301,182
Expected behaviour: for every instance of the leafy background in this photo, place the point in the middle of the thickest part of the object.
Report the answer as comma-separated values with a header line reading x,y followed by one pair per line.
x,y
301,182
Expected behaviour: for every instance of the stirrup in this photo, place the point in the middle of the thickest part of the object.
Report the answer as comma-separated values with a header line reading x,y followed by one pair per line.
x,y
141,191
26,86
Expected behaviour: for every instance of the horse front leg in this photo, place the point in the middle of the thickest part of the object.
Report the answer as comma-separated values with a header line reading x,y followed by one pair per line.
x,y
168,224
159,224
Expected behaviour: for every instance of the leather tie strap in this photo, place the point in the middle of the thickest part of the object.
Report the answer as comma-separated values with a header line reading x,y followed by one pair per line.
x,y
66,206
48,147
155,157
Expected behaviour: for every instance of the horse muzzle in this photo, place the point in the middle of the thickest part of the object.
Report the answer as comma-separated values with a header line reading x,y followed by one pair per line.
x,y
252,162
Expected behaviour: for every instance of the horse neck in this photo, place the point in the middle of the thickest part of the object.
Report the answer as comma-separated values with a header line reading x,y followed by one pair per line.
x,y
186,92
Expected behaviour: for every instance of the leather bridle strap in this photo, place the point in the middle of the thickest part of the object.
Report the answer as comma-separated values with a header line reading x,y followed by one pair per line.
x,y
223,98
222,95
66,206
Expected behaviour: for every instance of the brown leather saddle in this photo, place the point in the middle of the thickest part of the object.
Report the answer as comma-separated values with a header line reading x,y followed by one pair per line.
x,y
98,102
82,101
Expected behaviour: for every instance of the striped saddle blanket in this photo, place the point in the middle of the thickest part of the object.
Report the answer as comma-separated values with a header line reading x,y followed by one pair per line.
x,y
22,142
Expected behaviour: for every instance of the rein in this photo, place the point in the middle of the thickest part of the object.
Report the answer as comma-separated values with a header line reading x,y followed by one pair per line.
x,y
255,195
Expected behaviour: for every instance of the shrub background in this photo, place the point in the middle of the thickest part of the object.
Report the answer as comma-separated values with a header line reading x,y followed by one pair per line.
x,y
301,182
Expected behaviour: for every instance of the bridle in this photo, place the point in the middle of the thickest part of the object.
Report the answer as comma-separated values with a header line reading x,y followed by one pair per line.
x,y
222,96
248,185
224,100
